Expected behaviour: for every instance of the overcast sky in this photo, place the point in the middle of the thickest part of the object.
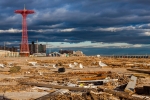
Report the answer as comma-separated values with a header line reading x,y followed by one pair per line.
x,y
85,23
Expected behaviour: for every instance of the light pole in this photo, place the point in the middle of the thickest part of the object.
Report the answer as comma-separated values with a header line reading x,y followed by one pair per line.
x,y
4,49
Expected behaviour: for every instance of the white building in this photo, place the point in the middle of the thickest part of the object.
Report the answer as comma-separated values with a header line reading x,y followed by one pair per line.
x,y
5,53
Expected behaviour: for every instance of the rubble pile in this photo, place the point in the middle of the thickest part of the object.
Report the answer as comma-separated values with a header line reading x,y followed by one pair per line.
x,y
84,96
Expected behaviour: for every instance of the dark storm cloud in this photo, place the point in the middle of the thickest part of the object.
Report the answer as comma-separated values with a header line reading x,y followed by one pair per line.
x,y
78,20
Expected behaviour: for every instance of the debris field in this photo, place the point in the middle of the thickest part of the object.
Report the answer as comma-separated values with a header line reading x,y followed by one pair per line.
x,y
74,78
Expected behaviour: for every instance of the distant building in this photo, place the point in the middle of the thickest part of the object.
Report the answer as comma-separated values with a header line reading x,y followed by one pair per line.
x,y
71,53
6,53
66,51
13,49
37,48
78,53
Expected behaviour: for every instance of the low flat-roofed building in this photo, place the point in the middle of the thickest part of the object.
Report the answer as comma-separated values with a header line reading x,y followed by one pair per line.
x,y
78,53
5,53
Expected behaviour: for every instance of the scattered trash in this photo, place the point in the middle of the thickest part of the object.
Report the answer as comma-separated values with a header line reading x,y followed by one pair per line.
x,y
61,70
90,86
71,66
75,63
103,81
27,72
80,82
32,63
71,85
40,73
45,65
10,64
63,91
81,66
41,88
54,66
81,85
2,65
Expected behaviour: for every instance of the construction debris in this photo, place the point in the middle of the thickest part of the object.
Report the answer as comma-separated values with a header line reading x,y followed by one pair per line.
x,y
84,80
120,94
61,70
55,86
146,90
2,65
131,85
147,71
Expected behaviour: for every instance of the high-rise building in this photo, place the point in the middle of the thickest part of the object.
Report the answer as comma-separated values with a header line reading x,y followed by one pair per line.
x,y
37,48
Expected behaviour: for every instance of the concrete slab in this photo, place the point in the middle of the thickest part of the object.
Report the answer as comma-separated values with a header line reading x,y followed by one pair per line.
x,y
23,95
131,85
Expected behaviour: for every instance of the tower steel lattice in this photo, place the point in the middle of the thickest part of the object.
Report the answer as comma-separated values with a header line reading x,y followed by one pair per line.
x,y
24,47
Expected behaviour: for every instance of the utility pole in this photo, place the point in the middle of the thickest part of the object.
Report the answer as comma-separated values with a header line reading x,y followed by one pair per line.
x,y
37,46
4,45
4,49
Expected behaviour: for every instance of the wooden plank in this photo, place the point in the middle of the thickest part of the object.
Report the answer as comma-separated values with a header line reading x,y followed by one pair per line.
x,y
92,78
120,94
55,86
131,85
103,80
140,70
93,95
88,72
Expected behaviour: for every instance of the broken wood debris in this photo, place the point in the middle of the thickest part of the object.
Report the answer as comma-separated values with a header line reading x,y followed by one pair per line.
x,y
140,70
93,78
88,72
120,94
55,86
104,81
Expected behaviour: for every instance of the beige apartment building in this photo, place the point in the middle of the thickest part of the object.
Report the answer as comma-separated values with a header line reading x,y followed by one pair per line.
x,y
5,53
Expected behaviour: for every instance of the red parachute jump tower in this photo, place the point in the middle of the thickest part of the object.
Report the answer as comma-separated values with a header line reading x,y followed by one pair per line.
x,y
24,48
